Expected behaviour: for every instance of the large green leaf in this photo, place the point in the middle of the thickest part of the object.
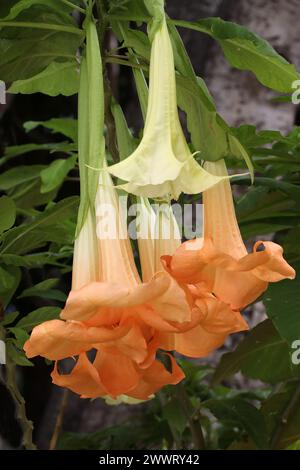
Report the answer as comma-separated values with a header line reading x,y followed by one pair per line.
x,y
21,174
209,138
51,225
247,51
262,355
8,213
10,9
282,302
27,51
59,78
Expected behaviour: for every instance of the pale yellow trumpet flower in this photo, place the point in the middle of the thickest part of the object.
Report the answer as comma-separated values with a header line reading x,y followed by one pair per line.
x,y
162,166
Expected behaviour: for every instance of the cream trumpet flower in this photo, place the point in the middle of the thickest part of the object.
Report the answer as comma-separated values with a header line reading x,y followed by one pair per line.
x,y
85,259
162,166
158,234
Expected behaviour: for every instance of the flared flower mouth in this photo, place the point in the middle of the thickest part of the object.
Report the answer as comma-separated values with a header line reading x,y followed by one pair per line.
x,y
162,166
220,260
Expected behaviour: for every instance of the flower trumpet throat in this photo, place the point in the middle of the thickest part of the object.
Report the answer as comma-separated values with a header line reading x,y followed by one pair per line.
x,y
162,166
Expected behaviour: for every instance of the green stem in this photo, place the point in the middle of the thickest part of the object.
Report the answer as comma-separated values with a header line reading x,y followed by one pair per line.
x,y
188,410
19,402
116,60
48,26
75,7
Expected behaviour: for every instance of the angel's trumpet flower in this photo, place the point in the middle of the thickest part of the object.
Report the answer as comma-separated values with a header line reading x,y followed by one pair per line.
x,y
109,310
211,320
220,261
162,166
116,315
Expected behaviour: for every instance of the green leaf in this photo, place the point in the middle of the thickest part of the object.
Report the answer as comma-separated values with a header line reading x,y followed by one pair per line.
x,y
282,304
10,277
27,51
291,190
173,413
58,78
44,290
53,176
238,412
35,260
17,356
262,355
126,142
38,316
65,126
251,137
209,138
17,150
21,336
247,51
51,225
12,8
19,175
28,195
9,318
8,213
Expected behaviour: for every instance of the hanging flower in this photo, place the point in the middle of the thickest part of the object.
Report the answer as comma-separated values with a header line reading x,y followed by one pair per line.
x,y
162,166
220,261
211,320
109,310
116,315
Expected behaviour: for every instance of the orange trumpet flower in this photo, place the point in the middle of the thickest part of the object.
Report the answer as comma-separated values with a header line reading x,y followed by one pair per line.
x,y
220,261
116,314
211,320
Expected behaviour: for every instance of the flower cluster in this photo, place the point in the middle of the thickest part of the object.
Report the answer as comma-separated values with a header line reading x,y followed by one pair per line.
x,y
120,328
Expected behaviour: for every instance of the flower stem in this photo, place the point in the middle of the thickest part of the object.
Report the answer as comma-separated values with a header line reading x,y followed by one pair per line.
x,y
19,402
72,5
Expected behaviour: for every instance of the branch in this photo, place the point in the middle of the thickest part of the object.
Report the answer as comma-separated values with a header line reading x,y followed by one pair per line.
x,y
59,419
287,413
19,402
